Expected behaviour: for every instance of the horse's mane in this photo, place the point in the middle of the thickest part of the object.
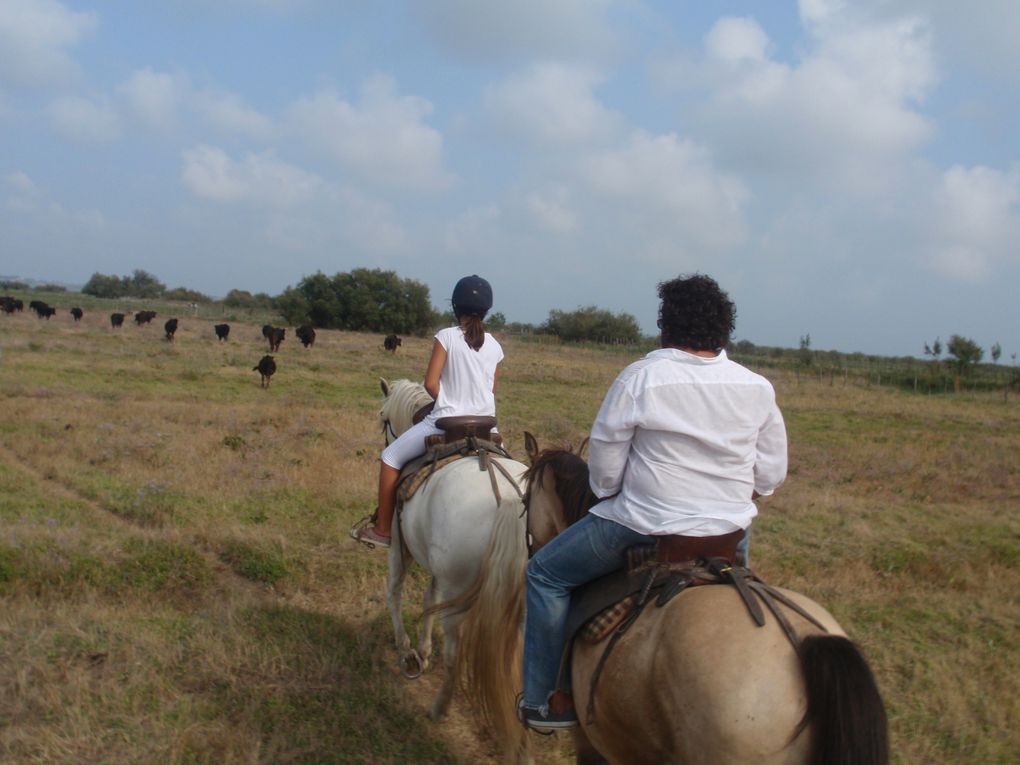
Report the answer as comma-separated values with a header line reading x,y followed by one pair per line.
x,y
571,474
404,399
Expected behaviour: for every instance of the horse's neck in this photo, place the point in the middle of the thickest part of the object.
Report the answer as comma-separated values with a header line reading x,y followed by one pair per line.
x,y
405,401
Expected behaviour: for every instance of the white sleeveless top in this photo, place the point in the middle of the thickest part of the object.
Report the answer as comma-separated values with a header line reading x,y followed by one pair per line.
x,y
465,384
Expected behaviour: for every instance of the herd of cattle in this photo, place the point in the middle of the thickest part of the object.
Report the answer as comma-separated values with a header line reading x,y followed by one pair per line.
x,y
273,335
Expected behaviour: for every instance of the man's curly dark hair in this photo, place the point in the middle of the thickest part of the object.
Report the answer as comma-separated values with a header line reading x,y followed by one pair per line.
x,y
695,313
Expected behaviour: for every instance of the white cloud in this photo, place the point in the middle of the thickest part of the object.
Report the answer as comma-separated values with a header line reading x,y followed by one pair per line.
x,y
83,121
384,140
19,182
472,229
737,39
34,38
228,113
673,182
976,221
262,179
552,105
844,116
552,210
532,28
154,97
370,225
158,99
23,196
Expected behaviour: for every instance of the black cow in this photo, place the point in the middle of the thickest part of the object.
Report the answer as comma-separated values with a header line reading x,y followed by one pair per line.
x,y
116,319
267,330
144,317
222,330
267,368
170,327
7,304
391,343
276,337
306,335
42,310
77,313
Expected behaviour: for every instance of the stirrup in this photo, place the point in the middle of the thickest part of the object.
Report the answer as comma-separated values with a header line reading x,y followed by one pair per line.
x,y
366,522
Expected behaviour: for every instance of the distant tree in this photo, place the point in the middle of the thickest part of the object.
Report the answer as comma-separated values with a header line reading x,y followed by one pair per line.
x,y
965,355
140,284
145,285
186,295
366,300
49,287
244,299
996,352
934,350
13,284
804,353
238,299
103,286
495,321
593,324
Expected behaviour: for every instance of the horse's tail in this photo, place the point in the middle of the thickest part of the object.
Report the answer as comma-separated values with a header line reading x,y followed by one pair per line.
x,y
490,643
845,713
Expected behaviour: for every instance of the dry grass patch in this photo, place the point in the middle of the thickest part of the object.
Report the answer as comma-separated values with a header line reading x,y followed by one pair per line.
x,y
177,585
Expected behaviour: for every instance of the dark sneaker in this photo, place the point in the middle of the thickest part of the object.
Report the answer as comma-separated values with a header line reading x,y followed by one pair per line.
x,y
548,722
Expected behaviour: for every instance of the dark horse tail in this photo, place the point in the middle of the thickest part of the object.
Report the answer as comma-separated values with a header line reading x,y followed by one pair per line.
x,y
845,713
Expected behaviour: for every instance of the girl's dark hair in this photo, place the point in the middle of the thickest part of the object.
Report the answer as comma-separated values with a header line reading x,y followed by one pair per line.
x,y
474,329
695,313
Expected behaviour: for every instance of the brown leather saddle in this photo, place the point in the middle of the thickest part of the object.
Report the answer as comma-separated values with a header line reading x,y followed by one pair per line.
x,y
604,609
461,428
461,437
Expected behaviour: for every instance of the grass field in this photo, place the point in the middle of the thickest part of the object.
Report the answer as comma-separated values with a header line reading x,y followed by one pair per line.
x,y
177,585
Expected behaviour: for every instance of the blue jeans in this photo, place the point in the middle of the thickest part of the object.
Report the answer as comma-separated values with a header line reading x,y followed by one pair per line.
x,y
590,548
744,549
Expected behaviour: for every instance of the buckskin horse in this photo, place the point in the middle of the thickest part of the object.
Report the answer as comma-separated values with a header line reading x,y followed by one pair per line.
x,y
696,681
462,521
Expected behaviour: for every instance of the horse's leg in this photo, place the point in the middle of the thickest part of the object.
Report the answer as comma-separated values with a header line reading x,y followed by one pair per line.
x,y
451,638
410,664
585,753
428,617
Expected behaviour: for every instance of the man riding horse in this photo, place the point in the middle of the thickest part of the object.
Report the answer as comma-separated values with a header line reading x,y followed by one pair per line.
x,y
684,442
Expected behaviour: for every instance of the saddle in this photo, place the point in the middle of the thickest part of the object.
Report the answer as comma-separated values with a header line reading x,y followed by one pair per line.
x,y
604,609
460,428
473,439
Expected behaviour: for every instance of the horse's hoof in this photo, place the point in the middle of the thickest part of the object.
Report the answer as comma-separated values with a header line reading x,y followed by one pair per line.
x,y
411,665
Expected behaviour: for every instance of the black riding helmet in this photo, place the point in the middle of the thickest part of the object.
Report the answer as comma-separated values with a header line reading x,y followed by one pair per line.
x,y
472,295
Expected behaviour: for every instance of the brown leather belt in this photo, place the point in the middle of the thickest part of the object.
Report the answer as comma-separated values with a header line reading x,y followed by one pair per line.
x,y
674,548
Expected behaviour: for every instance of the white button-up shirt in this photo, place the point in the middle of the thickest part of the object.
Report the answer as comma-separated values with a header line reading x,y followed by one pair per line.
x,y
682,441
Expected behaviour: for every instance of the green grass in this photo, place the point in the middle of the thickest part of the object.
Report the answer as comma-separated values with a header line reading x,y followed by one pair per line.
x,y
176,584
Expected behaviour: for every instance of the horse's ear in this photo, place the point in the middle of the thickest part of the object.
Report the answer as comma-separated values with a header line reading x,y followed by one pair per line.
x,y
530,446
582,447
385,386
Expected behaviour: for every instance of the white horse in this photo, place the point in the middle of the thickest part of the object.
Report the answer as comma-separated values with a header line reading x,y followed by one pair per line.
x,y
455,528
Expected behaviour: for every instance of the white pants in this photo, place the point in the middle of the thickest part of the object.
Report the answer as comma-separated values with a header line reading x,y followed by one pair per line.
x,y
410,444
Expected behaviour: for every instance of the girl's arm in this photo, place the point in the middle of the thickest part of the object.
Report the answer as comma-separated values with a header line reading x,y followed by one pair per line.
x,y
435,369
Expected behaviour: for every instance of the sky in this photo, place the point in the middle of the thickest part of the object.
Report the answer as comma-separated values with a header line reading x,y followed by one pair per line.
x,y
847,171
